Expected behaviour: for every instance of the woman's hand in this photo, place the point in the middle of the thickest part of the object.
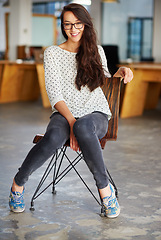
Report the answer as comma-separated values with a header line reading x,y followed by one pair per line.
x,y
124,73
64,111
73,141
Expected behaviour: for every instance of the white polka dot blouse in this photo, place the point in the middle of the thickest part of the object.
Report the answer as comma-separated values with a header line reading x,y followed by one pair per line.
x,y
60,73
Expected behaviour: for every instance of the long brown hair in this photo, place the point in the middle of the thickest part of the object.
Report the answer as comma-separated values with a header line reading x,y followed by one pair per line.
x,y
89,65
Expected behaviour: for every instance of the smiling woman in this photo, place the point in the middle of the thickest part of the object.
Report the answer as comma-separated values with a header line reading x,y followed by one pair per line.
x,y
74,74
89,64
73,28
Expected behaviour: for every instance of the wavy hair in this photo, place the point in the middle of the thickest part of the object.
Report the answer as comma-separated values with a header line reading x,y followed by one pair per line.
x,y
89,65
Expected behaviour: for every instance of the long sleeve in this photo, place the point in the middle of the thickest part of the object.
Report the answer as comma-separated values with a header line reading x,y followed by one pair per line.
x,y
52,78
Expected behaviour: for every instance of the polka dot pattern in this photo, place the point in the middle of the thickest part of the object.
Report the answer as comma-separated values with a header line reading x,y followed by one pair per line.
x,y
60,73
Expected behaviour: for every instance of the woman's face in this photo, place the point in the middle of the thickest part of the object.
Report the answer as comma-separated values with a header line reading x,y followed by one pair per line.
x,y
74,32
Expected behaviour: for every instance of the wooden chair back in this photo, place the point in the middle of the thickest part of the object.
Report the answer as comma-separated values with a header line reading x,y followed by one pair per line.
x,y
111,90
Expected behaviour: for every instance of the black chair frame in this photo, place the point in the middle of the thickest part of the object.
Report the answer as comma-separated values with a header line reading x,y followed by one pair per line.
x,y
55,165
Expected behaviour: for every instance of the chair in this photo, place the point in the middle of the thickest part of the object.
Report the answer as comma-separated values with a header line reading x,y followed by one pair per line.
x,y
111,90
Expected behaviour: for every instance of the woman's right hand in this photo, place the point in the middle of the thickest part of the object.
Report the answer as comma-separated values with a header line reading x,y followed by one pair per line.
x,y
64,111
73,141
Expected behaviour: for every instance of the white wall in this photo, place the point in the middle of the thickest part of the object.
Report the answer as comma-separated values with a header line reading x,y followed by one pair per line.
x,y
115,19
95,12
19,25
157,31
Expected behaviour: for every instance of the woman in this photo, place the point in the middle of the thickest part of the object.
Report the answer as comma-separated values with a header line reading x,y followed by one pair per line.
x,y
74,73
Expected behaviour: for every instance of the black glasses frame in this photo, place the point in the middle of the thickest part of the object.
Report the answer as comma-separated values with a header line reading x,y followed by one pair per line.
x,y
71,26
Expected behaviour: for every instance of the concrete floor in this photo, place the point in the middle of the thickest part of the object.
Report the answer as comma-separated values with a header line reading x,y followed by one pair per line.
x,y
134,161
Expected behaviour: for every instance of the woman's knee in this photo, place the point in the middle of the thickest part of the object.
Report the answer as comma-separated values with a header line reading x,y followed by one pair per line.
x,y
55,136
83,128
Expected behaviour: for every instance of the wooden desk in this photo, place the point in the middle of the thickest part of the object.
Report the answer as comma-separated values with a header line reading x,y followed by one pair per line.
x,y
41,79
26,81
143,91
18,82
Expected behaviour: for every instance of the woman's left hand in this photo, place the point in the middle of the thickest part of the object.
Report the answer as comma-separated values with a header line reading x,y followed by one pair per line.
x,y
124,73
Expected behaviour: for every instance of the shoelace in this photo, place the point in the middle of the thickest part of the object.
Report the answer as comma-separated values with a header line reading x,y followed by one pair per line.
x,y
17,197
110,202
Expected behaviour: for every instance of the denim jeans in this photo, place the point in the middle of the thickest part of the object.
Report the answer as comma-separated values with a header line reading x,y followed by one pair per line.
x,y
87,130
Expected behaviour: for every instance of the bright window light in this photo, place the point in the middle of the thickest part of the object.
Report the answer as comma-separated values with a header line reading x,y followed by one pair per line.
x,y
83,2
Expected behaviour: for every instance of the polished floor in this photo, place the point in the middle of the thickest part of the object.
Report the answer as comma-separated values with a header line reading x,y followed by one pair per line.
x,y
134,161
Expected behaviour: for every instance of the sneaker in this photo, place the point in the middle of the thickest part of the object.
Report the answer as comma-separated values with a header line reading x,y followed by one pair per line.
x,y
16,202
111,205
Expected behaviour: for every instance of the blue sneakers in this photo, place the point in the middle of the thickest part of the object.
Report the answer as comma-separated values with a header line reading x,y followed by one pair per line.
x,y
111,205
16,202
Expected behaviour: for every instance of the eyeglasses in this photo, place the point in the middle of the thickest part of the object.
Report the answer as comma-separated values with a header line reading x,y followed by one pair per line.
x,y
68,26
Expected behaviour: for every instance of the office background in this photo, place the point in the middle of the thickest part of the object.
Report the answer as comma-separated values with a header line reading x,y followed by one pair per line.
x,y
131,25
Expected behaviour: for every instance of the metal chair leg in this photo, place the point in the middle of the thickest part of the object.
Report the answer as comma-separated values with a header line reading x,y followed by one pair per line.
x,y
58,175
112,182
44,177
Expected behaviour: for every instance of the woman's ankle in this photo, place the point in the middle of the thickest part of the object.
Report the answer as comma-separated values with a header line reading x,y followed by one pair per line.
x,y
105,192
16,188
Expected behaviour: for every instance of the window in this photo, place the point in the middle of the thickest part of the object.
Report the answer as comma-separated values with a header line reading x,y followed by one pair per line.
x,y
54,8
140,39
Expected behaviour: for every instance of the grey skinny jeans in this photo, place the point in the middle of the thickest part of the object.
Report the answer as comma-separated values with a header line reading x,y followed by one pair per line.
x,y
87,130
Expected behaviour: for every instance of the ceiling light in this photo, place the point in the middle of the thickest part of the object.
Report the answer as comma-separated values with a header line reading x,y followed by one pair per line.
x,y
83,2
110,1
